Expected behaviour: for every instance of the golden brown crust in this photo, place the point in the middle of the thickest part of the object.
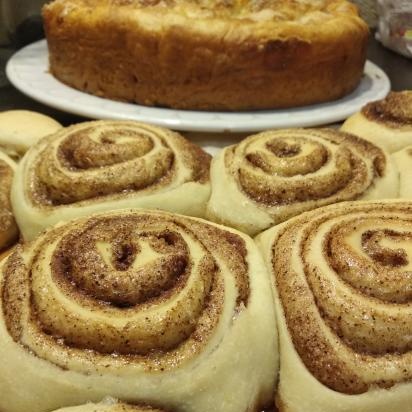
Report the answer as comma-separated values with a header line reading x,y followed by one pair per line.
x,y
343,277
221,55
395,111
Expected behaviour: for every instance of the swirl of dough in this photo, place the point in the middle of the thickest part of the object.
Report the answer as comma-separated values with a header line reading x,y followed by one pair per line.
x,y
8,227
106,165
144,306
343,280
386,122
272,176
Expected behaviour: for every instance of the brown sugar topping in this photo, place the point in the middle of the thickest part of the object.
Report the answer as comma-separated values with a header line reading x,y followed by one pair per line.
x,y
128,287
343,274
304,168
395,111
105,160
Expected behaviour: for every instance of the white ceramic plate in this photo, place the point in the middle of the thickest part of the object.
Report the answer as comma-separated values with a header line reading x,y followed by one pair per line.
x,y
28,71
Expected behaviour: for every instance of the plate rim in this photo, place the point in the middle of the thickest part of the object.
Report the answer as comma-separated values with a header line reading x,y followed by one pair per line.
x,y
217,122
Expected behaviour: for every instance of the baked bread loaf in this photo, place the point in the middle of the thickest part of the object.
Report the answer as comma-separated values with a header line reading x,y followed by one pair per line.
x,y
386,122
222,54
271,176
8,227
21,129
144,306
109,406
108,165
342,276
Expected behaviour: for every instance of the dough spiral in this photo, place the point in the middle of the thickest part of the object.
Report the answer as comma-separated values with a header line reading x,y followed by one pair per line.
x,y
343,284
106,165
272,176
144,306
387,122
8,227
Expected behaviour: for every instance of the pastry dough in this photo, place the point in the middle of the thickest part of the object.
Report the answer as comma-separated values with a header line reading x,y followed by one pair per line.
x,y
21,129
108,165
144,306
8,227
220,54
272,176
403,159
109,406
342,276
386,122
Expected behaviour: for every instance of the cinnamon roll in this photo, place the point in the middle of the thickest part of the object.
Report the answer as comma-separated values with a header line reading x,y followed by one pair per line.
x,y
109,406
272,176
21,129
342,278
106,165
8,227
386,122
144,306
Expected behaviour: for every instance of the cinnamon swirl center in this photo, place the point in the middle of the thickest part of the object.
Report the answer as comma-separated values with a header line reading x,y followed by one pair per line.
x,y
101,160
298,166
122,267
394,111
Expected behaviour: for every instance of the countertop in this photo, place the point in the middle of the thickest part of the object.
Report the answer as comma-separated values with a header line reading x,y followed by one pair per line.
x,y
398,68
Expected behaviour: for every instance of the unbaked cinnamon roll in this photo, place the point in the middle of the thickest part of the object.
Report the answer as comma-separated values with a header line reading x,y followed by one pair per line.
x,y
386,122
21,129
109,406
108,165
343,287
272,176
8,227
144,306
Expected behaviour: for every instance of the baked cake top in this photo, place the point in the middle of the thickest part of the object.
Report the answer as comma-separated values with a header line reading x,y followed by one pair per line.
x,y
294,11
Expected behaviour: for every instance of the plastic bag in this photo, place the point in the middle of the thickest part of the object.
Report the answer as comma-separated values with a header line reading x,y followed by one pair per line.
x,y
395,25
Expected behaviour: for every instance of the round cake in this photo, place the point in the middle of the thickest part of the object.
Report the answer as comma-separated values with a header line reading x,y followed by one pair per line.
x,y
208,55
